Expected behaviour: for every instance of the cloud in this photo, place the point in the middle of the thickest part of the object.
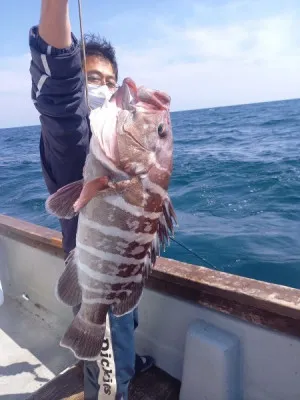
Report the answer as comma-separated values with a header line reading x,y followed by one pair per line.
x,y
203,55
234,62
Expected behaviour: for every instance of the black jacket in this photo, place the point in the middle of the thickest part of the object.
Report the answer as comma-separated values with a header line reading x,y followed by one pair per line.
x,y
58,95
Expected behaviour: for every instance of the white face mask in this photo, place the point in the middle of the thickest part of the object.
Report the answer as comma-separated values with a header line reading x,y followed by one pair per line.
x,y
97,95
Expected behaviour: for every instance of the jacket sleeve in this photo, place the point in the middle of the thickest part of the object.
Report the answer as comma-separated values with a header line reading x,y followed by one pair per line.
x,y
58,95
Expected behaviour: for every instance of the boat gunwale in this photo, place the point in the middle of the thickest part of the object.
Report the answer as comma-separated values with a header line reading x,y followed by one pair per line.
x,y
261,303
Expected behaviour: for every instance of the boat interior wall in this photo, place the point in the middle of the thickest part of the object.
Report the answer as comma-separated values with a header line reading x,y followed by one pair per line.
x,y
196,322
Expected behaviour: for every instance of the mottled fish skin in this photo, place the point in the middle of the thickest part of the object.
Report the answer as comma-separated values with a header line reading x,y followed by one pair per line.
x,y
120,228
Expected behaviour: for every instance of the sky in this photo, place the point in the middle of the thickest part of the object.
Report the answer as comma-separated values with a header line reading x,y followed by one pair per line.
x,y
202,53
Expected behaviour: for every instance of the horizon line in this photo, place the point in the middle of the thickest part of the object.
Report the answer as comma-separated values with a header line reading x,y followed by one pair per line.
x,y
185,110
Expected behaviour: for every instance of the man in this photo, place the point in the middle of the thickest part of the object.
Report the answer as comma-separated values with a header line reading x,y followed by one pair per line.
x,y
58,93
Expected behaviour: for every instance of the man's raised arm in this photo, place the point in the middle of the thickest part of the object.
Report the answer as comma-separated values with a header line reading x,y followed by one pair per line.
x,y
55,26
58,94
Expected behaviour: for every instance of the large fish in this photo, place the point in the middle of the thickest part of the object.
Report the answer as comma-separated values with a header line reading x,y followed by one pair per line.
x,y
125,213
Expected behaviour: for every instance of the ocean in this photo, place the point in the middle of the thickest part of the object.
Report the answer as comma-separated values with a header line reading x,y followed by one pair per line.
x,y
235,187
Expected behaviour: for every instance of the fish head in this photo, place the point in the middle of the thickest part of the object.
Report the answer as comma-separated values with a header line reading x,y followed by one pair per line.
x,y
132,132
143,129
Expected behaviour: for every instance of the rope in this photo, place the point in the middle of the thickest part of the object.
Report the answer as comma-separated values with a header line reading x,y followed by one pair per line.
x,y
83,50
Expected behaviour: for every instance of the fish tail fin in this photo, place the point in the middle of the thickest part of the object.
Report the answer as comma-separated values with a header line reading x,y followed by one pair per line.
x,y
68,290
129,303
85,335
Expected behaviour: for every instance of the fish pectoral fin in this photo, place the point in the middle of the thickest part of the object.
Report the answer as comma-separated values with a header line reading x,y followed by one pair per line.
x,y
68,290
68,200
86,333
89,190
129,303
166,222
60,204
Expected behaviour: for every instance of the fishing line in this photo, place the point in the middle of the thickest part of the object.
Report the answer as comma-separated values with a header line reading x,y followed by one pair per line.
x,y
83,50
194,253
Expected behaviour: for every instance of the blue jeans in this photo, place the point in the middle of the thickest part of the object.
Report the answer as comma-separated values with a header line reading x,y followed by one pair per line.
x,y
111,374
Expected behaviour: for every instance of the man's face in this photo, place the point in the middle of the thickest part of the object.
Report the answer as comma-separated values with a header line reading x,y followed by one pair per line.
x,y
100,72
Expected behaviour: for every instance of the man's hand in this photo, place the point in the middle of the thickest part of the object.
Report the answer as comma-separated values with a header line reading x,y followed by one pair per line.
x,y
55,26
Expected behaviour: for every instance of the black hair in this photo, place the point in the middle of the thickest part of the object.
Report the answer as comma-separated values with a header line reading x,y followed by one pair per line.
x,y
95,45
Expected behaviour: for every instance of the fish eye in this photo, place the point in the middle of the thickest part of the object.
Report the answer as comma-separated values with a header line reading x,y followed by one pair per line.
x,y
161,130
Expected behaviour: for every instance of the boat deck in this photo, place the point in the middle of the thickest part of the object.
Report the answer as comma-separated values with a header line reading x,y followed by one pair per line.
x,y
31,361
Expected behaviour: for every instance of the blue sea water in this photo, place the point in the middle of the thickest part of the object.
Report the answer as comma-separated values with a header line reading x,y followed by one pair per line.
x,y
235,187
